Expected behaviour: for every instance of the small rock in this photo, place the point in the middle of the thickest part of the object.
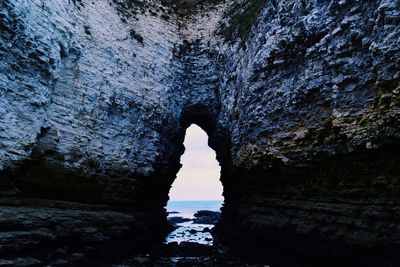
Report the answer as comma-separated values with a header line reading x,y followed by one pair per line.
x,y
77,256
175,220
207,217
6,263
61,263
141,260
192,231
27,262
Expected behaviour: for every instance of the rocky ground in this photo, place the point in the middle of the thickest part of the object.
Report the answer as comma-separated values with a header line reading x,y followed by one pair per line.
x,y
184,254
200,217
173,254
197,229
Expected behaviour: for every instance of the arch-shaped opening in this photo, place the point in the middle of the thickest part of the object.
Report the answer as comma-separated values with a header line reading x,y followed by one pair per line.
x,y
198,179
195,197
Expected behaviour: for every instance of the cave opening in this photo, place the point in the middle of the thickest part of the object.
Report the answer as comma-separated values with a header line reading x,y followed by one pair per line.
x,y
195,197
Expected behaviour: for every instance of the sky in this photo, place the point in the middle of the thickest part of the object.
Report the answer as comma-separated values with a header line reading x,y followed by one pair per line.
x,y
198,179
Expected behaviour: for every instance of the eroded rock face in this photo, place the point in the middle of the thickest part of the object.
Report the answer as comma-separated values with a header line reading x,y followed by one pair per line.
x,y
300,100
312,106
104,93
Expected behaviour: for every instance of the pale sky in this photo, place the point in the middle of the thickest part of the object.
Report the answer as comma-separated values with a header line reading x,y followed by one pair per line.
x,y
198,179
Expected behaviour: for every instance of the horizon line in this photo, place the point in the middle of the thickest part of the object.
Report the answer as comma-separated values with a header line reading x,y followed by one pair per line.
x,y
196,200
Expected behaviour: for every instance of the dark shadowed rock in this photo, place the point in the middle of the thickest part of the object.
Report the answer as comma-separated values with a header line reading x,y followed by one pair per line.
x,y
206,229
207,217
175,220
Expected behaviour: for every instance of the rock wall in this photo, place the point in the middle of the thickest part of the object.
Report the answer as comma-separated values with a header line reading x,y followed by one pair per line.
x,y
88,93
310,96
300,100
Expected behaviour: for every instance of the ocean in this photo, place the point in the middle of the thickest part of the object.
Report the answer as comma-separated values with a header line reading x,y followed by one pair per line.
x,y
188,208
190,231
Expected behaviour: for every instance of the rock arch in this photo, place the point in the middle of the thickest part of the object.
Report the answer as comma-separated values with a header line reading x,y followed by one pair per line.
x,y
300,101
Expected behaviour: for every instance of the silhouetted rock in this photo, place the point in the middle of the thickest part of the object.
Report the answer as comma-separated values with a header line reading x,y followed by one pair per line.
x,y
192,231
172,212
176,220
207,217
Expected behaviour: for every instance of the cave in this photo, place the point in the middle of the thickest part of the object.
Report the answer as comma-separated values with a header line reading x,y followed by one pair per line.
x,y
195,197
201,165
299,99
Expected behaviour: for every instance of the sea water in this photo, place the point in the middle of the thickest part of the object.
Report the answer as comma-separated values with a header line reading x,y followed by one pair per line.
x,y
185,231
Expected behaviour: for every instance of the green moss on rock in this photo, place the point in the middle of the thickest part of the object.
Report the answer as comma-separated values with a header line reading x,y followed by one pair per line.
x,y
241,18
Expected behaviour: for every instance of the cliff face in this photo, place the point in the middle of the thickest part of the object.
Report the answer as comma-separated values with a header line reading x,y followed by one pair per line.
x,y
300,100
310,97
88,89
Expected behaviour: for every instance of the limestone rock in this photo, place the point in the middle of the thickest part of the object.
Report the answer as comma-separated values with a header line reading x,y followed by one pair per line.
x,y
300,100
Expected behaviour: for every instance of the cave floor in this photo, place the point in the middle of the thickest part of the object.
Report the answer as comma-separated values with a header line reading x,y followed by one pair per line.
x,y
184,254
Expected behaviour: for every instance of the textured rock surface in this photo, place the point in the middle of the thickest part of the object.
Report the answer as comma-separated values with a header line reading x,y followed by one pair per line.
x,y
300,100
85,84
312,106
64,236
